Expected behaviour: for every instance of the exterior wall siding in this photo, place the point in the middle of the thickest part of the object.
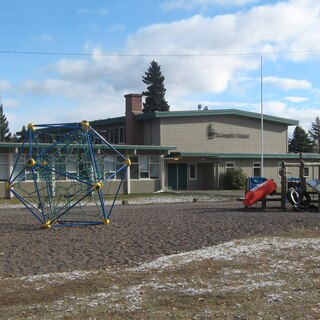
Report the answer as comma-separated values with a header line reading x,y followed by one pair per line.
x,y
151,132
189,134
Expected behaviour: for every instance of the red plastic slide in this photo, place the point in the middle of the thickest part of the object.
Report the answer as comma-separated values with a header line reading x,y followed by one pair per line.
x,y
259,192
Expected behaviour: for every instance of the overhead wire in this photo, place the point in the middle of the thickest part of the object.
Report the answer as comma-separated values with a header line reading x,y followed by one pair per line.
x,y
111,54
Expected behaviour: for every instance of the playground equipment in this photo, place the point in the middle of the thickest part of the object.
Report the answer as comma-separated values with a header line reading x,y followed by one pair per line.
x,y
300,192
297,193
259,192
314,184
62,172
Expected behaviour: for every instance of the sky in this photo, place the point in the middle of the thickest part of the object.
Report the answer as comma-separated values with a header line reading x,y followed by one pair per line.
x,y
68,61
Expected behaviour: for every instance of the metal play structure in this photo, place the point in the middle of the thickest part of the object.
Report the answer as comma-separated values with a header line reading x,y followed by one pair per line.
x,y
62,172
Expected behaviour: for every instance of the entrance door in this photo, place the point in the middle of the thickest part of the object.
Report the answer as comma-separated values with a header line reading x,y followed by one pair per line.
x,y
177,176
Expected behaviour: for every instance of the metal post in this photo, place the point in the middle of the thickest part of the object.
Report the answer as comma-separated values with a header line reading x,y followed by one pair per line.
x,y
262,139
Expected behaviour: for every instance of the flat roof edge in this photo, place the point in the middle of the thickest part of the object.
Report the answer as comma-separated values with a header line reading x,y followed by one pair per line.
x,y
200,113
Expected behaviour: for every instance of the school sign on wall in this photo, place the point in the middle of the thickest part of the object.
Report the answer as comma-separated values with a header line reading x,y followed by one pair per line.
x,y
211,134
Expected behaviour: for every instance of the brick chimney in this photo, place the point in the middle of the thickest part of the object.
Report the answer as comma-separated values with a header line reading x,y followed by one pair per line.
x,y
133,127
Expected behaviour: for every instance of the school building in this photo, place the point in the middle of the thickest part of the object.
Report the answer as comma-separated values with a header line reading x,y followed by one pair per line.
x,y
188,150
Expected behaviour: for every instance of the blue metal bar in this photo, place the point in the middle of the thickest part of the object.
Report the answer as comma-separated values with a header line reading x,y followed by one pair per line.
x,y
25,202
108,144
16,177
55,125
30,142
75,223
69,135
38,194
65,174
102,203
112,175
49,189
115,197
69,208
18,157
92,157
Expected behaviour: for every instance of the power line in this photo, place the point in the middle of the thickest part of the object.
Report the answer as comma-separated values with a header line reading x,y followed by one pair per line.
x,y
109,54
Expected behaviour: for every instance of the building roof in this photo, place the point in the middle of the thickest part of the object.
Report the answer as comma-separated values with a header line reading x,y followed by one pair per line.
x,y
222,112
117,146
108,121
286,156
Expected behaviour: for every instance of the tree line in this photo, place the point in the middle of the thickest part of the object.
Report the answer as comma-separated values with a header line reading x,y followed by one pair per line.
x,y
5,134
307,142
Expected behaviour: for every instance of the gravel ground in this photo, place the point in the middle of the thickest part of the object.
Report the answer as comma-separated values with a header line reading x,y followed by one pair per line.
x,y
137,233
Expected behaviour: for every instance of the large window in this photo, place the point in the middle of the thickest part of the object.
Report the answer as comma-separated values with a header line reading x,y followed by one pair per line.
x,y
107,165
114,135
256,169
144,167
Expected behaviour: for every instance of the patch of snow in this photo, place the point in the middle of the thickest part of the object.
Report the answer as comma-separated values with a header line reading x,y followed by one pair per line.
x,y
231,250
59,277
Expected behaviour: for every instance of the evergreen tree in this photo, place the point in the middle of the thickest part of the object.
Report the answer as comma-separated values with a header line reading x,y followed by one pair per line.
x,y
314,133
20,134
5,134
300,141
155,100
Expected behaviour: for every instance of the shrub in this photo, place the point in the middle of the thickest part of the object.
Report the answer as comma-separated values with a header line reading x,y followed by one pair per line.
x,y
234,179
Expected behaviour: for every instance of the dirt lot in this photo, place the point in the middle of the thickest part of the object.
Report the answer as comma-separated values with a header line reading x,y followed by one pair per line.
x,y
109,271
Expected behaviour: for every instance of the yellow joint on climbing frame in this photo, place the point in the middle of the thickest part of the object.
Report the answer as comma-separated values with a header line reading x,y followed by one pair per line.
x,y
127,162
106,221
47,224
31,162
31,126
85,124
97,186
43,163
8,186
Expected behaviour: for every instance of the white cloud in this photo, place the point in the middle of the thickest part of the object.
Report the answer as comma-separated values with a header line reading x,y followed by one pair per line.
x,y
287,84
296,99
305,114
192,4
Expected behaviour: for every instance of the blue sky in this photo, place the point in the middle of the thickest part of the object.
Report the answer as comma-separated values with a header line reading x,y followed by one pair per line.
x,y
94,52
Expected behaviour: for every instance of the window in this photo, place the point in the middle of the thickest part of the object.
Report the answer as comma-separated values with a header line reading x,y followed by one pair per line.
x,y
192,171
122,135
60,168
256,169
109,166
134,168
230,166
306,171
4,167
114,135
111,136
144,167
72,167
154,167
